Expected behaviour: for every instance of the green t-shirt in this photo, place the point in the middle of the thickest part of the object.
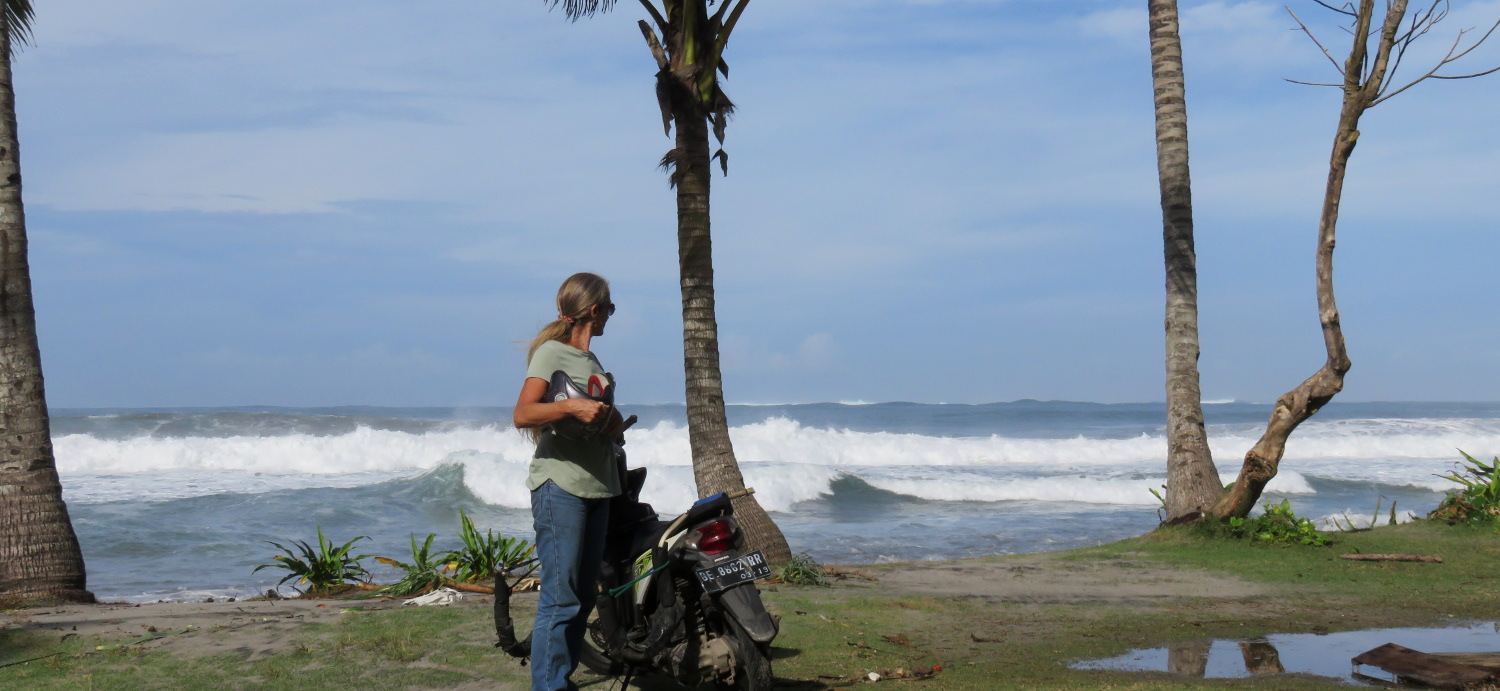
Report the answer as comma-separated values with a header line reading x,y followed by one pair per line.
x,y
584,468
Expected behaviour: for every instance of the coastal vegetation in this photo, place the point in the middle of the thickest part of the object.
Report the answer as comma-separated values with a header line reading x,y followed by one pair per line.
x,y
321,569
327,569
1278,525
1479,499
1003,628
484,555
423,573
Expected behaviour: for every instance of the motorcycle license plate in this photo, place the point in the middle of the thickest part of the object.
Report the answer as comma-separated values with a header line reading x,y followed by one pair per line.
x,y
733,572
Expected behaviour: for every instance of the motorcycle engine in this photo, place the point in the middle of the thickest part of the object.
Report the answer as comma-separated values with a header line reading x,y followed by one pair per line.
x,y
715,661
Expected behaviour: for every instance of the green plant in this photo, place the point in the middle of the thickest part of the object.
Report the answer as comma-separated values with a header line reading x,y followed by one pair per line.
x,y
319,569
425,572
1161,509
483,555
1348,524
1479,500
1279,525
804,570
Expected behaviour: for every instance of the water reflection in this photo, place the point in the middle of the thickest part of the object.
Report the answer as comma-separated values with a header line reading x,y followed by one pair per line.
x,y
1261,658
1190,658
1325,655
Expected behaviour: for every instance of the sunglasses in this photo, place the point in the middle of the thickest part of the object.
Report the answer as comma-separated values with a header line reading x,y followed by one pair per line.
x,y
610,307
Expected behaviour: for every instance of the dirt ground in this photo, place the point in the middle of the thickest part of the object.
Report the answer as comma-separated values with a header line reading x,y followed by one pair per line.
x,y
1044,579
257,628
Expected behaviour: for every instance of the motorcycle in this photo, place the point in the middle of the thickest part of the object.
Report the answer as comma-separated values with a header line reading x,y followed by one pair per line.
x,y
676,597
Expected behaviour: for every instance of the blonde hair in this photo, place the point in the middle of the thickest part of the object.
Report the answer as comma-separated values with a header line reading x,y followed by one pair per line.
x,y
577,294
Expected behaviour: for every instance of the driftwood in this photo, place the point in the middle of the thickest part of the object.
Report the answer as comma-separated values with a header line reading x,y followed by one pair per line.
x,y
1430,558
1485,661
846,573
1432,670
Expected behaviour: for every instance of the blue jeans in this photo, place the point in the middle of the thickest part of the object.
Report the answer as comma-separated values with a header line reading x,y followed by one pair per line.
x,y
570,544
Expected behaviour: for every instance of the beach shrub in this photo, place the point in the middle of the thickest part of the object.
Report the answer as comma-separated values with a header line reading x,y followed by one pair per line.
x,y
803,570
484,554
1279,525
319,569
1478,500
425,572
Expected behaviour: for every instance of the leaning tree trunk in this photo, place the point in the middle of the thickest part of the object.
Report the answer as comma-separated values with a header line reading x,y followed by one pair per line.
x,y
1301,403
1192,480
714,465
40,560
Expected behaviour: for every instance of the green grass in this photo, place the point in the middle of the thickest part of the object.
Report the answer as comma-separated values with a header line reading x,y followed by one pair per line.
x,y
833,636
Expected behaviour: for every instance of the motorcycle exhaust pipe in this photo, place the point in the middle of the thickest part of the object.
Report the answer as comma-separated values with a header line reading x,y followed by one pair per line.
x,y
505,627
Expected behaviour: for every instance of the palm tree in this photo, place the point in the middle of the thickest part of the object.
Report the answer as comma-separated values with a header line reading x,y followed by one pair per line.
x,y
689,62
1192,481
40,559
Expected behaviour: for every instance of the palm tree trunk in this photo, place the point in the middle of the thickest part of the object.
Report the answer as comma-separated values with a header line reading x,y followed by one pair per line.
x,y
1192,480
714,466
40,559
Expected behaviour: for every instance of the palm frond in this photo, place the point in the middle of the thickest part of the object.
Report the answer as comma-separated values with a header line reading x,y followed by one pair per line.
x,y
18,15
576,9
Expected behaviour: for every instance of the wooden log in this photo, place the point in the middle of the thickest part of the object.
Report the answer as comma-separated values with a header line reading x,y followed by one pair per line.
x,y
1431,670
1431,558
471,588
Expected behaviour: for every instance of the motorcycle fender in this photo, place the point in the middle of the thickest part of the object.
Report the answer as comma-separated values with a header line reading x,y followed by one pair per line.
x,y
743,603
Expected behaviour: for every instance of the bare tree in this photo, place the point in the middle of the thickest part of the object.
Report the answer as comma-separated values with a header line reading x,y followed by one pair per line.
x,y
689,54
40,559
1374,58
1192,480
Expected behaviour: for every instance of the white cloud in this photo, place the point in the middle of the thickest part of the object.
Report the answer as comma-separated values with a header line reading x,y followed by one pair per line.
x,y
1121,23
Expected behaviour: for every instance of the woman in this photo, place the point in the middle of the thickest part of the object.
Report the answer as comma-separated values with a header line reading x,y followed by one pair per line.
x,y
571,479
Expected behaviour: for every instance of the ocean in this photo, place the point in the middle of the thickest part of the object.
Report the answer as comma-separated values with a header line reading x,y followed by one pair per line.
x,y
178,504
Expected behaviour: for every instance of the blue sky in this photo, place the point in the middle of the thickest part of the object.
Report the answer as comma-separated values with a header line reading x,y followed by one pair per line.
x,y
292,203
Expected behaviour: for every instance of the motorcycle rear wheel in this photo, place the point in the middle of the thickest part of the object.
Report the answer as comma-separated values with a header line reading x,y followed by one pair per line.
x,y
592,654
752,661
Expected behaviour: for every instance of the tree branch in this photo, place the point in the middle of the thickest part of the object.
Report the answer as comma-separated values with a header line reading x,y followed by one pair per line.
x,y
1453,55
1294,81
1389,27
1340,10
1466,76
1315,40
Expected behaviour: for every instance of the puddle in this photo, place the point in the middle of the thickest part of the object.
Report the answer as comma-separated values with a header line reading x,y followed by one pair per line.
x,y
1325,655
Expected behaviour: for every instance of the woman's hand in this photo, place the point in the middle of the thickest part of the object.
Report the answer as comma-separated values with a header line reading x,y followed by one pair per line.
x,y
585,410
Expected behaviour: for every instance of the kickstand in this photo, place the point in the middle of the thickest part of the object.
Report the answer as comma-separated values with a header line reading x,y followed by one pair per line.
x,y
625,681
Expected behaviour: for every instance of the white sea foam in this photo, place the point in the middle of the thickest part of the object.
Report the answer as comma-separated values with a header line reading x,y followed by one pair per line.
x,y
1356,519
788,462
